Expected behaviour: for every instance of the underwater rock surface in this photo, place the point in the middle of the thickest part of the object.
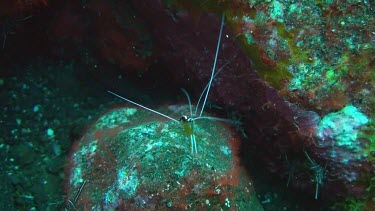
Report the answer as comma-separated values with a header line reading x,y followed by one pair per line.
x,y
130,159
285,77
299,75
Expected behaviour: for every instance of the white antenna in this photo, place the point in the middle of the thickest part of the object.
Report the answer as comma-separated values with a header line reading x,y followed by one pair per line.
x,y
205,88
214,66
188,98
149,109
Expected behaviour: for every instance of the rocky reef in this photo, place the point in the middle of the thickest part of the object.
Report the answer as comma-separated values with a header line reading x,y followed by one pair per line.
x,y
298,75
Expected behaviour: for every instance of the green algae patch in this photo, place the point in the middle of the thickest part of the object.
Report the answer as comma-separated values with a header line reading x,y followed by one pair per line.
x,y
271,72
368,134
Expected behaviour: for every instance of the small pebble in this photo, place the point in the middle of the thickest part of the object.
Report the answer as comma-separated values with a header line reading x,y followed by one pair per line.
x,y
50,133
36,108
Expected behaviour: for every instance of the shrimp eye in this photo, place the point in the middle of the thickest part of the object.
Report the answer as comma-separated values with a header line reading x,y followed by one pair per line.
x,y
184,119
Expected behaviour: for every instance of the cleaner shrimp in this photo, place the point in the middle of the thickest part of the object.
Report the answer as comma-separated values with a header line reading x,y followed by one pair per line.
x,y
189,121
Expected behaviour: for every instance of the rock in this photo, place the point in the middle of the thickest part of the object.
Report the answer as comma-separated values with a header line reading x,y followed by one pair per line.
x,y
130,159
